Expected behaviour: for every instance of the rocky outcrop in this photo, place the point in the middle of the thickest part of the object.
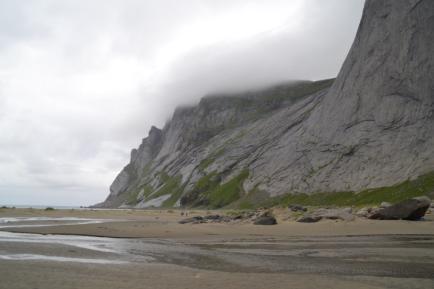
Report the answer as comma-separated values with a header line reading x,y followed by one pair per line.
x,y
374,127
265,218
412,209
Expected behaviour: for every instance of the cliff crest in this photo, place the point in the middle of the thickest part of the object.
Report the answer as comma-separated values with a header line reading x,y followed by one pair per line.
x,y
373,127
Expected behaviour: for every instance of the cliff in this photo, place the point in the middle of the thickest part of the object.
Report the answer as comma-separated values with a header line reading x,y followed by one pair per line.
x,y
373,127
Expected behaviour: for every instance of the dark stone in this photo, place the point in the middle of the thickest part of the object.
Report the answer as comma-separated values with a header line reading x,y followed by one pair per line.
x,y
297,208
309,219
265,220
411,209
212,217
194,220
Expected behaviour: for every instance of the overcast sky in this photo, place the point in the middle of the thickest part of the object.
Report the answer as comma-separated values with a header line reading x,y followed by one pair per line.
x,y
82,81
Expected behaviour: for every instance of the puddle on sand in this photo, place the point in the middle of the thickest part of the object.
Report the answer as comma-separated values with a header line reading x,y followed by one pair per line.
x,y
24,222
30,257
100,244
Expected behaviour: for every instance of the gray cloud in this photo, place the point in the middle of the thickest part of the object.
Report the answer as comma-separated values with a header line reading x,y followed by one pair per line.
x,y
81,82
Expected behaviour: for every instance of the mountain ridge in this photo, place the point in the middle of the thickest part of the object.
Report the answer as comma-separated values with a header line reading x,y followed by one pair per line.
x,y
374,127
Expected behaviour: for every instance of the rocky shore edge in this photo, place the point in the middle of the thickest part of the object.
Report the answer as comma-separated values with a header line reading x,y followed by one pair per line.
x,y
413,209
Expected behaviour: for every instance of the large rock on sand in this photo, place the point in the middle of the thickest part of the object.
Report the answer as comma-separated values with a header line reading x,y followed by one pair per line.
x,y
265,219
412,209
192,220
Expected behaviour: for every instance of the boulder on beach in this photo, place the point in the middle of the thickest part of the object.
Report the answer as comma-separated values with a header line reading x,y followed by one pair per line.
x,y
411,209
192,220
265,219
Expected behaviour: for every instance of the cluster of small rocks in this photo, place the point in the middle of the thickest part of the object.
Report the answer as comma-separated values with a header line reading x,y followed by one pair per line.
x,y
344,214
258,217
412,209
206,219
297,208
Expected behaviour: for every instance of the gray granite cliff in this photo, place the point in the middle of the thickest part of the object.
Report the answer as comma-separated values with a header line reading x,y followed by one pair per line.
x,y
373,127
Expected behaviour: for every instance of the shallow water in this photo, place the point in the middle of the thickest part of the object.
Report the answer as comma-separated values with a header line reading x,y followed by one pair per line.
x,y
57,248
91,243
29,257
24,222
410,256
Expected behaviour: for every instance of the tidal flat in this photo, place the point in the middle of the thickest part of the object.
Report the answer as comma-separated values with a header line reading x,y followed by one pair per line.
x,y
149,249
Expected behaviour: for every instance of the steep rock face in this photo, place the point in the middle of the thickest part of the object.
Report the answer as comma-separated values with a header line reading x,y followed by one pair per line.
x,y
181,152
381,107
135,170
374,127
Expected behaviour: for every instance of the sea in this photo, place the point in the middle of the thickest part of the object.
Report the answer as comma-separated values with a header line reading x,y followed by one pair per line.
x,y
44,207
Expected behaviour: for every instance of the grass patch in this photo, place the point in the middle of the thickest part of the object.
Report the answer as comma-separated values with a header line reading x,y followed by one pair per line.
x,y
252,200
176,194
423,185
206,163
228,192
210,193
134,194
246,205
198,195
170,185
207,182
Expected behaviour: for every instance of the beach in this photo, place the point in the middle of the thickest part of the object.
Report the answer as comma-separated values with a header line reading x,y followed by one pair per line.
x,y
150,249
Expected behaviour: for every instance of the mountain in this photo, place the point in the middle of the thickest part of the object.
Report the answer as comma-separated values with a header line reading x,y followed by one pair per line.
x,y
373,127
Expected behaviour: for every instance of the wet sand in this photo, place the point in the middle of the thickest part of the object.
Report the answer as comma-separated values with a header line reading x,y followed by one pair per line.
x,y
164,224
149,249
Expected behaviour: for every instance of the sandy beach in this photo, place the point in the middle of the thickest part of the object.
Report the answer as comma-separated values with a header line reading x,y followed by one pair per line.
x,y
149,249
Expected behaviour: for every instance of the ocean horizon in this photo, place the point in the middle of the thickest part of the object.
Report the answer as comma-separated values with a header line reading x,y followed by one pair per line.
x,y
42,206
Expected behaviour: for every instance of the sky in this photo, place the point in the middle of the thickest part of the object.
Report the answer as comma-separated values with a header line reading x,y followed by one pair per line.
x,y
81,82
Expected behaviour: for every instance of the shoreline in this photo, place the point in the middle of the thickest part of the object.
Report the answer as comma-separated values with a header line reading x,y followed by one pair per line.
x,y
164,224
153,250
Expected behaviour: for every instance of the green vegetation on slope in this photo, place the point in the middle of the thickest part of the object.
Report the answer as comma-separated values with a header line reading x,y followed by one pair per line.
x,y
209,192
205,163
227,193
134,194
423,185
170,185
